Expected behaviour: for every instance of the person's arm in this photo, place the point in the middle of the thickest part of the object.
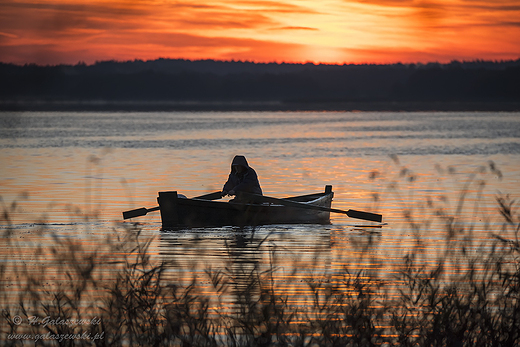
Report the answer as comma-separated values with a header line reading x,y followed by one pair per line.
x,y
229,185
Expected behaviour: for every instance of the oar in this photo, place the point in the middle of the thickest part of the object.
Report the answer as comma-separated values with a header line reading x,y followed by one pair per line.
x,y
144,211
139,212
210,196
351,213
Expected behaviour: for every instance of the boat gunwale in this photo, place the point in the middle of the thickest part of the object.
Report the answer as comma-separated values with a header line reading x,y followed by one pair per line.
x,y
224,204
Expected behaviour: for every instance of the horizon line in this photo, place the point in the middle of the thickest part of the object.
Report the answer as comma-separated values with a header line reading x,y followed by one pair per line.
x,y
454,61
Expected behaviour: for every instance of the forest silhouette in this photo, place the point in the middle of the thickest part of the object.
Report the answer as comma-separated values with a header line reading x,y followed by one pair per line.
x,y
209,84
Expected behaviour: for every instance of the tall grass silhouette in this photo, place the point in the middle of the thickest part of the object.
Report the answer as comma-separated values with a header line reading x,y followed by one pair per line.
x,y
467,294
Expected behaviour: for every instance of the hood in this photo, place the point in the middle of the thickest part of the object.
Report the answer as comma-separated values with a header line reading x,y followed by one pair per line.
x,y
239,160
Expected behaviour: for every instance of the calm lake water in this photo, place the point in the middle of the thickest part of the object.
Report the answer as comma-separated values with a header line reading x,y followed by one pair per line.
x,y
72,174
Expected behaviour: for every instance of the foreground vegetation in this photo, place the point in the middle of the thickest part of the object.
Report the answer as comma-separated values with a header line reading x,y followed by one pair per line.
x,y
469,295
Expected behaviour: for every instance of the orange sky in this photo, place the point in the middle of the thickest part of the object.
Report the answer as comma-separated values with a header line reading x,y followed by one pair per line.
x,y
328,31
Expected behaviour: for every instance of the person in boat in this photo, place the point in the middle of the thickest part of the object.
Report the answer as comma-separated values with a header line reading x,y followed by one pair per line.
x,y
242,178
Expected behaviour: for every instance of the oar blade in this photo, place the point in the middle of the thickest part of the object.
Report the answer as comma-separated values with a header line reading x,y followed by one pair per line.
x,y
135,213
210,196
374,217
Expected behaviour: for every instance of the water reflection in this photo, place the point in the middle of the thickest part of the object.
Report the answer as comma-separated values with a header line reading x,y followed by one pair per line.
x,y
327,283
236,267
280,255
443,222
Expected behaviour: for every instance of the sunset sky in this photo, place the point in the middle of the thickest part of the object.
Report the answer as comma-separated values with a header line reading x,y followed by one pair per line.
x,y
327,31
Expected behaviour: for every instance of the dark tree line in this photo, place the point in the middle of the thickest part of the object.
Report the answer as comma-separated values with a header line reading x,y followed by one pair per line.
x,y
166,80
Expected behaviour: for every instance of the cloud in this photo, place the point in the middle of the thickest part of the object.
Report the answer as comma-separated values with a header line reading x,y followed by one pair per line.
x,y
443,54
295,28
178,45
117,29
12,36
55,31
508,24
49,20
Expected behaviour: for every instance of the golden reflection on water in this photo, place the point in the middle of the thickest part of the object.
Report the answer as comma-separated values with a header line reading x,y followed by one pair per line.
x,y
301,264
434,206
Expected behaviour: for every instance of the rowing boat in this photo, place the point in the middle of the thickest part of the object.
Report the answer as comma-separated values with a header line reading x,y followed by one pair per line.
x,y
178,211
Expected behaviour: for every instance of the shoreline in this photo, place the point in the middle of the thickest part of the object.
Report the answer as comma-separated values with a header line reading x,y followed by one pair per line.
x,y
144,106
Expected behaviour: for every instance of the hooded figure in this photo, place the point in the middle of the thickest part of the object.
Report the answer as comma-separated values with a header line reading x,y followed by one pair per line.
x,y
242,178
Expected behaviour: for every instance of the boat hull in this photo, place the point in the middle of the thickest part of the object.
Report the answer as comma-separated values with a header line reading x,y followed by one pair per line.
x,y
179,212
